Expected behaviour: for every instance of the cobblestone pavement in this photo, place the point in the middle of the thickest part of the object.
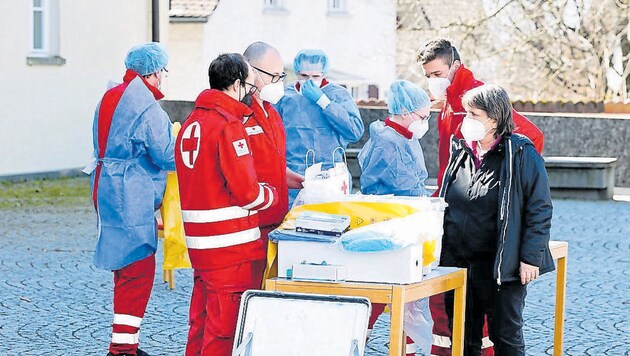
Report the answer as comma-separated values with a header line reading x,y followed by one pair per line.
x,y
54,302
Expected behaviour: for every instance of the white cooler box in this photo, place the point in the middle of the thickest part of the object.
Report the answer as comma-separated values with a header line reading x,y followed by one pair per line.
x,y
289,324
329,262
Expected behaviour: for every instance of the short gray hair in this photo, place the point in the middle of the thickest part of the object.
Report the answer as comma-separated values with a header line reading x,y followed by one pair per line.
x,y
257,50
495,101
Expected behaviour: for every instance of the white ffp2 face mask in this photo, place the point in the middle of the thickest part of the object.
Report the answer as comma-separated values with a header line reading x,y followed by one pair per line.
x,y
473,130
419,128
272,92
438,86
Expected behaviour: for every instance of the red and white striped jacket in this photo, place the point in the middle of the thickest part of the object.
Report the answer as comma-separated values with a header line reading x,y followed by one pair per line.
x,y
219,191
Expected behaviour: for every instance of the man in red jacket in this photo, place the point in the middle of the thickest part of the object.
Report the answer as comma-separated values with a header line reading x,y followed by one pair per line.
x,y
220,197
266,131
449,80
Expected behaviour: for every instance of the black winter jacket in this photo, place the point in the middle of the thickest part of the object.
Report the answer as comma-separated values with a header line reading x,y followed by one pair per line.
x,y
524,211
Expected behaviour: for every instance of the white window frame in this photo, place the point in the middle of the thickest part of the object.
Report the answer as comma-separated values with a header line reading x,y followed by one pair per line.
x,y
273,4
274,7
355,92
49,53
341,6
45,10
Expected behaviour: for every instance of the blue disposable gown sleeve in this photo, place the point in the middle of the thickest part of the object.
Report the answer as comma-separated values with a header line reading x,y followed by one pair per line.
x,y
158,138
389,169
343,115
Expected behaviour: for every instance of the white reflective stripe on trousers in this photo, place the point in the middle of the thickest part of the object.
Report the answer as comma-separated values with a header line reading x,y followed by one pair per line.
x,y
225,240
444,341
485,342
215,215
129,320
129,339
441,341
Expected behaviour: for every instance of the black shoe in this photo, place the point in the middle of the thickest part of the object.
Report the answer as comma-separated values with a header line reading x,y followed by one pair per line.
x,y
138,353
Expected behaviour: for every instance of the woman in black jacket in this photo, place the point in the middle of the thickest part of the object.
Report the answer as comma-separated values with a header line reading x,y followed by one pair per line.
x,y
497,221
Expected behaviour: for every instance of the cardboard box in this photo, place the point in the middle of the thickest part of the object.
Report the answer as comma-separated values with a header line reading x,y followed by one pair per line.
x,y
402,266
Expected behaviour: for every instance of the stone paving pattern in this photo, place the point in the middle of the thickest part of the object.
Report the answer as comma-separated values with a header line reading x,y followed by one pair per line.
x,y
54,302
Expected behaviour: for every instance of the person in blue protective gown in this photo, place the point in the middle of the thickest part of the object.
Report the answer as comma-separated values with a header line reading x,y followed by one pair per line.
x,y
317,114
392,162
133,147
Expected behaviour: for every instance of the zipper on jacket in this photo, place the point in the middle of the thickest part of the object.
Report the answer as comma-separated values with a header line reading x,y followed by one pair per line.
x,y
507,212
449,173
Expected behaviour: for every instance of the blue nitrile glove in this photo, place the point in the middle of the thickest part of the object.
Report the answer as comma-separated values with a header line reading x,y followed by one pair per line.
x,y
311,91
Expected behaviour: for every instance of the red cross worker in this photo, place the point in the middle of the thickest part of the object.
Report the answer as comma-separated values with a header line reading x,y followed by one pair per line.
x,y
221,197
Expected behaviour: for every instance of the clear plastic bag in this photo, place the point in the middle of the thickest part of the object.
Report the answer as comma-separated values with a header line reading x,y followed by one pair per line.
x,y
388,235
418,324
324,185
422,226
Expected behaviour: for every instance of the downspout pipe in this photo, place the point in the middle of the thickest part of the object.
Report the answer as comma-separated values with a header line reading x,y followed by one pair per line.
x,y
155,20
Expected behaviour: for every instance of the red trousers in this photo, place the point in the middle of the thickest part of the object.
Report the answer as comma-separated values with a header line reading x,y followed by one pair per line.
x,y
377,309
442,333
214,305
132,289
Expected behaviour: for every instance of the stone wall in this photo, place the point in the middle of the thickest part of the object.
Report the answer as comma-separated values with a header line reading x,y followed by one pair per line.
x,y
597,135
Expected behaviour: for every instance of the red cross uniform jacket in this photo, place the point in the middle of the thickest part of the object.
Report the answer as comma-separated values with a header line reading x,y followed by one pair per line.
x,y
219,191
452,114
266,135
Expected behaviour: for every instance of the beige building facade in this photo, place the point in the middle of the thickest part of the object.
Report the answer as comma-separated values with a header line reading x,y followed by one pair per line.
x,y
58,56
359,37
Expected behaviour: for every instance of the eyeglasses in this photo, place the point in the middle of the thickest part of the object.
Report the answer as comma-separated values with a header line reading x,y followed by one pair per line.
x,y
163,72
422,118
252,88
274,77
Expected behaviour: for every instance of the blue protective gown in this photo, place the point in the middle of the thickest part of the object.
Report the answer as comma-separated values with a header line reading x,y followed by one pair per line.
x,y
132,177
308,126
391,163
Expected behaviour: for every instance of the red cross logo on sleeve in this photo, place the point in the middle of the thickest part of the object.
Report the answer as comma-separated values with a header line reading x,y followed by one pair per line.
x,y
240,146
189,146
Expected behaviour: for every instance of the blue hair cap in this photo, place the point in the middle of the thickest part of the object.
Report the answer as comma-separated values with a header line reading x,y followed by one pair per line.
x,y
308,60
405,97
146,58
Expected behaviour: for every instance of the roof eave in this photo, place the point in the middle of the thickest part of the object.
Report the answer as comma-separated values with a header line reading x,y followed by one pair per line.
x,y
188,19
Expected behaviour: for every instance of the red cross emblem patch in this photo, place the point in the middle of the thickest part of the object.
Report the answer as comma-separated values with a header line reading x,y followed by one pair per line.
x,y
189,146
240,146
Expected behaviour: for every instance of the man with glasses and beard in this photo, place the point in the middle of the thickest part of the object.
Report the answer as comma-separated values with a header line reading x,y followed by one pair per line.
x,y
220,197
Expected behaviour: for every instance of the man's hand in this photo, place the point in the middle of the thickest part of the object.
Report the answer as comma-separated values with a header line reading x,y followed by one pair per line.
x,y
311,91
294,180
528,273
